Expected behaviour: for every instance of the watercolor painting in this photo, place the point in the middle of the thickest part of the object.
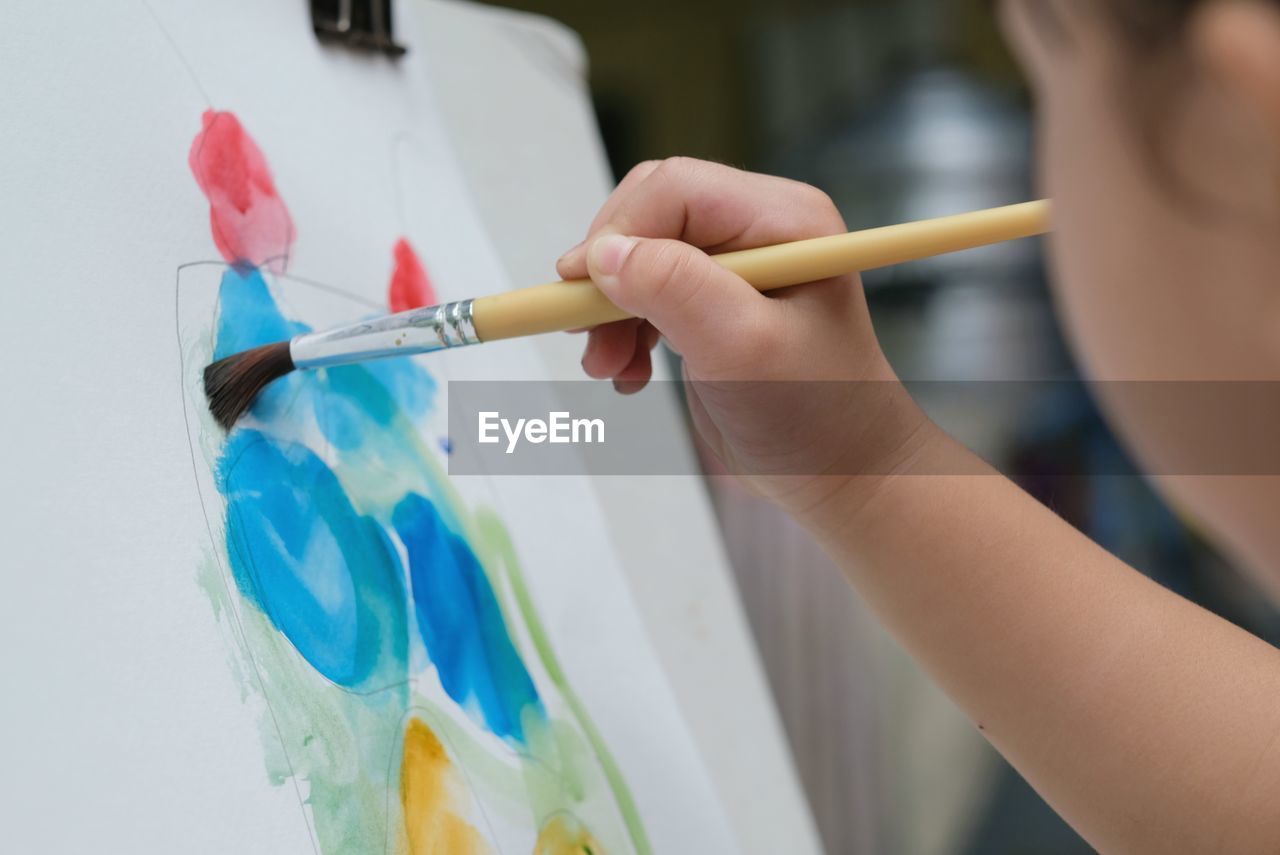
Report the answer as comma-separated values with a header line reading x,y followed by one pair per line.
x,y
381,625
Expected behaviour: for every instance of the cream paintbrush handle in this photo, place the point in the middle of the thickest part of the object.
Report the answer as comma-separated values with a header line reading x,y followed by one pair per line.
x,y
578,303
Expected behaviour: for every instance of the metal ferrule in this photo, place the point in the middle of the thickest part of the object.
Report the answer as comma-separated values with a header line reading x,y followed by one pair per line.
x,y
404,334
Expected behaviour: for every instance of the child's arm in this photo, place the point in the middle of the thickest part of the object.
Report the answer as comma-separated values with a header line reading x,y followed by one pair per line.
x,y
1150,724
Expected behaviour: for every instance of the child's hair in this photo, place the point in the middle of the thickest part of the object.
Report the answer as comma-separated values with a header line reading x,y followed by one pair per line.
x,y
1152,23
1152,19
1153,30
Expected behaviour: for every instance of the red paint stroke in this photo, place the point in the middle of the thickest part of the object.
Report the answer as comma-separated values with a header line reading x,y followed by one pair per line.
x,y
410,287
251,225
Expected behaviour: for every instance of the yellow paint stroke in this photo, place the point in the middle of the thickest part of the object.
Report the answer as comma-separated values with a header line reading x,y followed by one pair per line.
x,y
430,792
564,835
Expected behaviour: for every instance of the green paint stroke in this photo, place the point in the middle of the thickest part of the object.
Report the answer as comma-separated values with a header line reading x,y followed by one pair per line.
x,y
493,535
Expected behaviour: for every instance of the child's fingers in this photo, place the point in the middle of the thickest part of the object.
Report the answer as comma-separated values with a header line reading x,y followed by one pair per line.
x,y
573,264
636,374
709,205
650,335
636,176
720,209
709,315
839,297
610,347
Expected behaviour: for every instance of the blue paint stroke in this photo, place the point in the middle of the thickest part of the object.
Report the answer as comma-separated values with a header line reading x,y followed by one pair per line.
x,y
247,318
461,623
412,387
327,578
316,555
358,410
248,315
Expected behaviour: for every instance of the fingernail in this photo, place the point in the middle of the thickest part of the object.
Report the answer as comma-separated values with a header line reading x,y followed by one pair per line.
x,y
572,254
628,387
607,255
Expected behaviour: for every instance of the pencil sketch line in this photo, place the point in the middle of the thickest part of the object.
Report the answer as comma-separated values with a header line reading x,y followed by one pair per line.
x,y
173,44
238,627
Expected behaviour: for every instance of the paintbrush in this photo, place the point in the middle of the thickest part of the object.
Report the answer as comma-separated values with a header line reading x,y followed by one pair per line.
x,y
233,383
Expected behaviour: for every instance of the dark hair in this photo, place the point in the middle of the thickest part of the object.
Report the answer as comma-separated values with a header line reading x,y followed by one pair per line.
x,y
1152,23
1145,24
1156,28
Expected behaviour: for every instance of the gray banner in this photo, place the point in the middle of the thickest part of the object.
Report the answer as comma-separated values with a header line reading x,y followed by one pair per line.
x,y
587,428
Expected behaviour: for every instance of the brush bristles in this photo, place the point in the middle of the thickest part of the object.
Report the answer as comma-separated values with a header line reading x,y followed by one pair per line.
x,y
232,384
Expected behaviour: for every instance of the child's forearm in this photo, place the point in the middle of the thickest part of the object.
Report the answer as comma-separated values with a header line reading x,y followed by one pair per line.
x,y
1149,723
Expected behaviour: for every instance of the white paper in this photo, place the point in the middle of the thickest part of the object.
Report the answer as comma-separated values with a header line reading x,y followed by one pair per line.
x,y
150,705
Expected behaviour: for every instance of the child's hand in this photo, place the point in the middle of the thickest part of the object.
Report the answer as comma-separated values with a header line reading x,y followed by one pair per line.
x,y
743,351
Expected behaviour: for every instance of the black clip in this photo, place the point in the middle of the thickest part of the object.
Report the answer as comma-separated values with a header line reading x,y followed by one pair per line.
x,y
361,24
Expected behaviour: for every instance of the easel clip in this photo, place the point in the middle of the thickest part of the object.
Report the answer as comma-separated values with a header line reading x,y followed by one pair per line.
x,y
360,24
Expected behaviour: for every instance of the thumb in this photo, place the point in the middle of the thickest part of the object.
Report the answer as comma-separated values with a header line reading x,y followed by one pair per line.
x,y
702,309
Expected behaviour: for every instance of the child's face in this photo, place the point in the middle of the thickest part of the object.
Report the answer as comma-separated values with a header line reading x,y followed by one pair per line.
x,y
1164,167
1166,192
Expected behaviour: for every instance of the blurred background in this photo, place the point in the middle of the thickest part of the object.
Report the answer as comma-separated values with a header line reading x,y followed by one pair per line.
x,y
899,109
